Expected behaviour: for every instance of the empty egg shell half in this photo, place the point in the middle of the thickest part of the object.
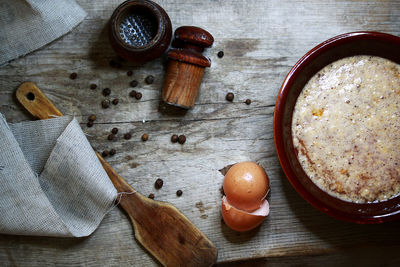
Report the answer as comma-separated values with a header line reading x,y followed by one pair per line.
x,y
240,220
244,207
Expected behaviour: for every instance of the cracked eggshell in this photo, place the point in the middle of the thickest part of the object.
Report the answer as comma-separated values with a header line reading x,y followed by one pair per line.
x,y
240,220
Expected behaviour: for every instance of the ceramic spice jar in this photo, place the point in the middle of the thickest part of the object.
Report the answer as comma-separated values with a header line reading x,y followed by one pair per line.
x,y
140,31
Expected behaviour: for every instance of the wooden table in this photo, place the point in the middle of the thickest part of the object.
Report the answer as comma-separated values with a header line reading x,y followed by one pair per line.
x,y
261,40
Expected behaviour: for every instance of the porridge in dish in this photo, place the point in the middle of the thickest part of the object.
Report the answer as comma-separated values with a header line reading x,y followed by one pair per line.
x,y
346,129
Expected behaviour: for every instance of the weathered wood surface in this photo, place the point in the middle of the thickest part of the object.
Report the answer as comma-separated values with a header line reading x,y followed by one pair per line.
x,y
261,41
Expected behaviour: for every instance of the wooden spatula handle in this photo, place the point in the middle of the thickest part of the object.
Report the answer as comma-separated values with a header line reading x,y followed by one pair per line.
x,y
37,103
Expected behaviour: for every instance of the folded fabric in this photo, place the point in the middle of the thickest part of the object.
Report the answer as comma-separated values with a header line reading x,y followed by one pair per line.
x,y
26,25
51,182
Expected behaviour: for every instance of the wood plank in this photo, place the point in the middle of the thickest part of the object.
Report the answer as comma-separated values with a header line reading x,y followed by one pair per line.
x,y
261,41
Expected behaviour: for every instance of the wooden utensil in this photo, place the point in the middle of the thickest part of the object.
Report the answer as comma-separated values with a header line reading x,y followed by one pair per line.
x,y
160,227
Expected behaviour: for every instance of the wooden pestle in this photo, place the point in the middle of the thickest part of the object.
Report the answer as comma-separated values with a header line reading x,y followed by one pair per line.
x,y
160,227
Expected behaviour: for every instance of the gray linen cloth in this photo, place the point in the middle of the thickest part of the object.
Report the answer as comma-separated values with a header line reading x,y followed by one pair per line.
x,y
51,182
26,25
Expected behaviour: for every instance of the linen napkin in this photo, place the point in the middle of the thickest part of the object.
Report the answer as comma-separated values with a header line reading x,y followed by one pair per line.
x,y
51,182
27,25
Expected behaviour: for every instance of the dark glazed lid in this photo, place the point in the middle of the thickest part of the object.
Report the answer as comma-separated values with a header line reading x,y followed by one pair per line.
x,y
159,19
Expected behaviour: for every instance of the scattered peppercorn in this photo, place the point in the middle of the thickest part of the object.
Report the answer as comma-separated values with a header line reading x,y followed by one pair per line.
x,y
149,79
134,83
127,136
129,73
73,76
132,93
145,137
105,103
93,86
138,95
89,124
220,54
182,139
151,196
174,138
115,101
230,96
248,101
111,137
92,117
179,193
114,130
112,152
106,91
105,153
159,183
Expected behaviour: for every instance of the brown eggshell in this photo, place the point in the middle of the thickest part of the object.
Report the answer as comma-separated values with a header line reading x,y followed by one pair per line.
x,y
240,220
245,185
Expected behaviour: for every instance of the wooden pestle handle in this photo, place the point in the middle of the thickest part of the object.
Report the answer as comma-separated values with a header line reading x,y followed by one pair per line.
x,y
160,227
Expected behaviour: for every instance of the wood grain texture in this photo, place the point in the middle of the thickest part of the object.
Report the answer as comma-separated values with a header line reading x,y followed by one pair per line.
x,y
182,84
262,40
160,227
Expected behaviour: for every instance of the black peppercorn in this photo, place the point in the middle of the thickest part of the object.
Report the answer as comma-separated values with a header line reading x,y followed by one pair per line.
x,y
220,54
89,124
105,153
145,137
105,103
159,183
129,73
127,136
230,96
114,130
182,139
73,76
111,137
134,83
174,138
151,196
138,95
115,101
92,117
132,93
248,101
149,79
179,193
93,86
112,152
106,91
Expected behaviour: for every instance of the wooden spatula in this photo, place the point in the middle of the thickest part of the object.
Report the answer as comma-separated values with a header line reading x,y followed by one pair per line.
x,y
160,227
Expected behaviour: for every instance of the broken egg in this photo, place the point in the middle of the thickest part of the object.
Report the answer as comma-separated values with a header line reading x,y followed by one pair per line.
x,y
244,207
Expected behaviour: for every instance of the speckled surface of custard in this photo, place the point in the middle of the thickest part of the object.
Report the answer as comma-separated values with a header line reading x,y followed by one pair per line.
x,y
346,129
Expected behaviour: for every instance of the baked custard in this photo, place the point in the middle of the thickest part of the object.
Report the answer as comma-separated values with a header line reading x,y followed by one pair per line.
x,y
346,129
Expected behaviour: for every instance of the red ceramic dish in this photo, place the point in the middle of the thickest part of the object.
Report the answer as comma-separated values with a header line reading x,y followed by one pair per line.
x,y
345,45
